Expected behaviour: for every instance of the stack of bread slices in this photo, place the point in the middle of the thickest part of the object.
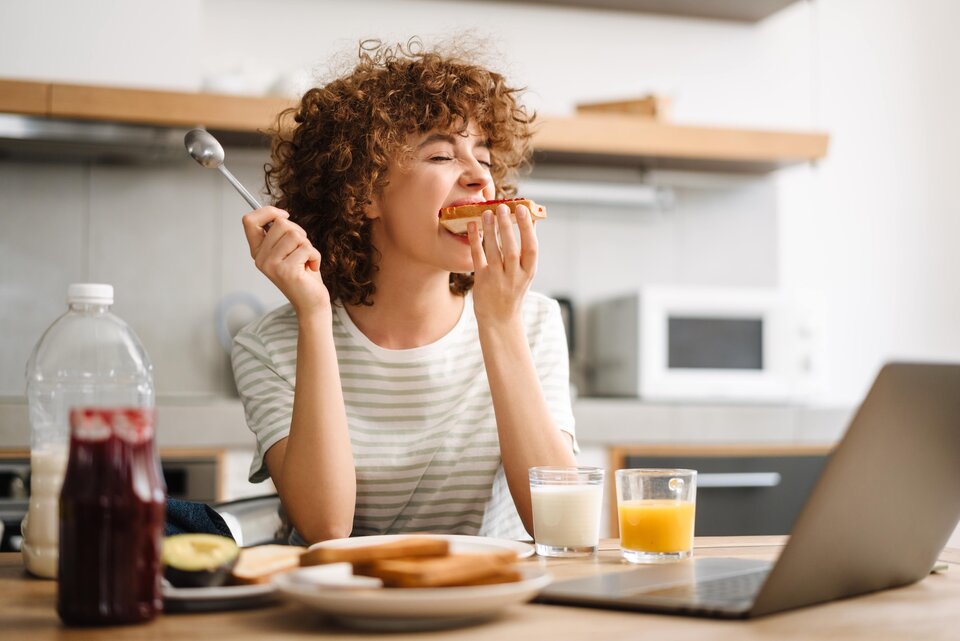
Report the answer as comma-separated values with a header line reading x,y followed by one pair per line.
x,y
420,562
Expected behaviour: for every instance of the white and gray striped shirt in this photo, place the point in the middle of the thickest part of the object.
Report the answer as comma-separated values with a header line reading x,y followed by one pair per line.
x,y
421,420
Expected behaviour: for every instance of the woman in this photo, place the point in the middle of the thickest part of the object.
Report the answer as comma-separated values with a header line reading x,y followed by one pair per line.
x,y
397,392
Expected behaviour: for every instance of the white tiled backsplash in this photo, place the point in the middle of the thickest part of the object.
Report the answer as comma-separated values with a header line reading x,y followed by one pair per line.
x,y
169,238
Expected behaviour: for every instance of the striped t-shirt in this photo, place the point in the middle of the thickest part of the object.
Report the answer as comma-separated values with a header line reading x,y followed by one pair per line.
x,y
421,420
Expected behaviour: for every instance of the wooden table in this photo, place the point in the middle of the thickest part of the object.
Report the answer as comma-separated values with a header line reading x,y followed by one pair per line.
x,y
929,609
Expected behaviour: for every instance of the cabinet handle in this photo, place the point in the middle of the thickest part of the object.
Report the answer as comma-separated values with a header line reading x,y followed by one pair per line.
x,y
739,479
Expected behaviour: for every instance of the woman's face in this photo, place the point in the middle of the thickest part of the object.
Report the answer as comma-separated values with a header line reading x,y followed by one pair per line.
x,y
445,169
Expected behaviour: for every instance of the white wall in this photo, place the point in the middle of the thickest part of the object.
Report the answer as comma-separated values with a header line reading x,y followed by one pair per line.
x,y
101,222
873,227
718,71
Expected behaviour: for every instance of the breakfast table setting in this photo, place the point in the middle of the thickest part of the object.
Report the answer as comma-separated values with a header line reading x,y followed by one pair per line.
x,y
853,567
924,610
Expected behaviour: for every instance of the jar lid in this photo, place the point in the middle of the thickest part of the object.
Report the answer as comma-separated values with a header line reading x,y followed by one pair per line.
x,y
91,293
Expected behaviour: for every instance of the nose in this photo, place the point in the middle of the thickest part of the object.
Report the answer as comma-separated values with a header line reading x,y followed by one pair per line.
x,y
474,175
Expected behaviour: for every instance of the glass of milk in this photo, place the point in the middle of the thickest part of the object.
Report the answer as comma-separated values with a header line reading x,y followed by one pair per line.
x,y
566,509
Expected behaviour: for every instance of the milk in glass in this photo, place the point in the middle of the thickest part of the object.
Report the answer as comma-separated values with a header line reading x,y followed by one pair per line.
x,y
566,504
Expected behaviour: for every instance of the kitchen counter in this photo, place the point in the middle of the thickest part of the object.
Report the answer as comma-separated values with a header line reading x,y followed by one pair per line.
x,y
202,425
617,421
219,422
927,609
188,423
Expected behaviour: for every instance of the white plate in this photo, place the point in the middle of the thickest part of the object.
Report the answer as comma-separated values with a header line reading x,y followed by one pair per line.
x,y
410,608
459,543
226,597
356,603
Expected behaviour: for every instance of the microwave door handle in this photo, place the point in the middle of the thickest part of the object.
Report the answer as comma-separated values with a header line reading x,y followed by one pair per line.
x,y
738,479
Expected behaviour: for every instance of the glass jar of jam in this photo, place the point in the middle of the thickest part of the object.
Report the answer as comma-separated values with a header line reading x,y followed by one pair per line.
x,y
111,519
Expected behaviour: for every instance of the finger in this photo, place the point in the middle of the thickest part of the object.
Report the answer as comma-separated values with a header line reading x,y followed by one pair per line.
x,y
254,223
529,245
313,259
476,246
280,239
491,248
509,248
299,259
290,244
260,217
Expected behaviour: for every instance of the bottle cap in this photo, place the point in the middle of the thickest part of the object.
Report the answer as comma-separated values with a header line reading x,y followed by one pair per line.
x,y
91,293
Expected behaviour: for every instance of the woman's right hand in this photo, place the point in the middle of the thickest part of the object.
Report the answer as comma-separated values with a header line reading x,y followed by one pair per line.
x,y
281,250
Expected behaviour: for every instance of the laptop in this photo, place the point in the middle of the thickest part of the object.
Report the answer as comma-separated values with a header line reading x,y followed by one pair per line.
x,y
881,512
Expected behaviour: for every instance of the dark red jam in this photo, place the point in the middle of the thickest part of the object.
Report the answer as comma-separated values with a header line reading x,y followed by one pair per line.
x,y
111,519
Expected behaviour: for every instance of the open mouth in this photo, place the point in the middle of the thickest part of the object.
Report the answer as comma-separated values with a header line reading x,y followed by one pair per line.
x,y
462,236
459,227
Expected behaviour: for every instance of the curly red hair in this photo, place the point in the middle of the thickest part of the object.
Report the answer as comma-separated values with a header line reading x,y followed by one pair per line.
x,y
329,163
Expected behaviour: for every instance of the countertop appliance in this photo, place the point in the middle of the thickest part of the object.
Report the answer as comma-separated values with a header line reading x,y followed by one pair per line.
x,y
678,343
190,478
14,484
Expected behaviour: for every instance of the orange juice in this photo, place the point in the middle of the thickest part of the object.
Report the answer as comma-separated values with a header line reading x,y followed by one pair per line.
x,y
656,525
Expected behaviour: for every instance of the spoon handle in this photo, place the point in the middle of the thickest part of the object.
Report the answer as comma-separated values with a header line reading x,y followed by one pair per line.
x,y
247,196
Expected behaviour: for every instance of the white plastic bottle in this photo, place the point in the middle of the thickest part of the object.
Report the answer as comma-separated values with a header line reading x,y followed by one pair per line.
x,y
88,358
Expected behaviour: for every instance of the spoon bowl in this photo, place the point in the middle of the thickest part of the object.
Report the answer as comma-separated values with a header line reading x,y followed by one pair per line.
x,y
208,152
204,148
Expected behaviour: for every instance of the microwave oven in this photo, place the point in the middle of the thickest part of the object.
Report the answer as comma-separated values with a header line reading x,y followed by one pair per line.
x,y
704,344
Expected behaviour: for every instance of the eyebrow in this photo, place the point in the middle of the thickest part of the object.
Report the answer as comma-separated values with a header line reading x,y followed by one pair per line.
x,y
448,138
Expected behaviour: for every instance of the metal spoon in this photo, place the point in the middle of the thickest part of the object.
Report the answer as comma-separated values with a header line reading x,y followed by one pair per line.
x,y
206,150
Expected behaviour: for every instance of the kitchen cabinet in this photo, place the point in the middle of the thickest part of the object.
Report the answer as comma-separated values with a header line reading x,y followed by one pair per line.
x,y
597,138
757,490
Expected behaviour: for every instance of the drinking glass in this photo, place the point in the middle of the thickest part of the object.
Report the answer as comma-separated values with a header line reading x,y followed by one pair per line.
x,y
566,505
656,509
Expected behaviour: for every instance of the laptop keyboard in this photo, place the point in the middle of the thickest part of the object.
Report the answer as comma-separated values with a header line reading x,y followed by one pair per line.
x,y
731,589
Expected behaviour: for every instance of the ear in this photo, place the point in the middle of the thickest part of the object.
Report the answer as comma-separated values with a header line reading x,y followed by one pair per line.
x,y
372,209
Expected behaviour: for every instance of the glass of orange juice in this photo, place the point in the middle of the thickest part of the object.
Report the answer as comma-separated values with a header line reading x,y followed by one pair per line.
x,y
656,509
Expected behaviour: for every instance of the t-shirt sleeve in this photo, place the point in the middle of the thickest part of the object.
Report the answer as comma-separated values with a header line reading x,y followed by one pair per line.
x,y
548,344
267,397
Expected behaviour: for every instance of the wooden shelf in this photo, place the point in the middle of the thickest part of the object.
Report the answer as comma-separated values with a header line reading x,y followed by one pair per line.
x,y
585,138
168,108
24,97
657,145
246,114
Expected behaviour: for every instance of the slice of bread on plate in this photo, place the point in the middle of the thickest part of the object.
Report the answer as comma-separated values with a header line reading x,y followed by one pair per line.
x,y
408,547
452,570
258,564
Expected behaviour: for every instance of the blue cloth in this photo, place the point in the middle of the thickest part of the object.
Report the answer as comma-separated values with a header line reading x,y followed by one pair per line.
x,y
189,517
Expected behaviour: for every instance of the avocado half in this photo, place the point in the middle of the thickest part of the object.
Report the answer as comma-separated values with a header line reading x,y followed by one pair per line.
x,y
198,560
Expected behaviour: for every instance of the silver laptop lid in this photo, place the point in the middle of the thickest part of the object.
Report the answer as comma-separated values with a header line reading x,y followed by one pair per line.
x,y
887,500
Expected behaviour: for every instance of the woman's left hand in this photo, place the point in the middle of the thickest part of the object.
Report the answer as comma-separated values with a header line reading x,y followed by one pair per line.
x,y
503,270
